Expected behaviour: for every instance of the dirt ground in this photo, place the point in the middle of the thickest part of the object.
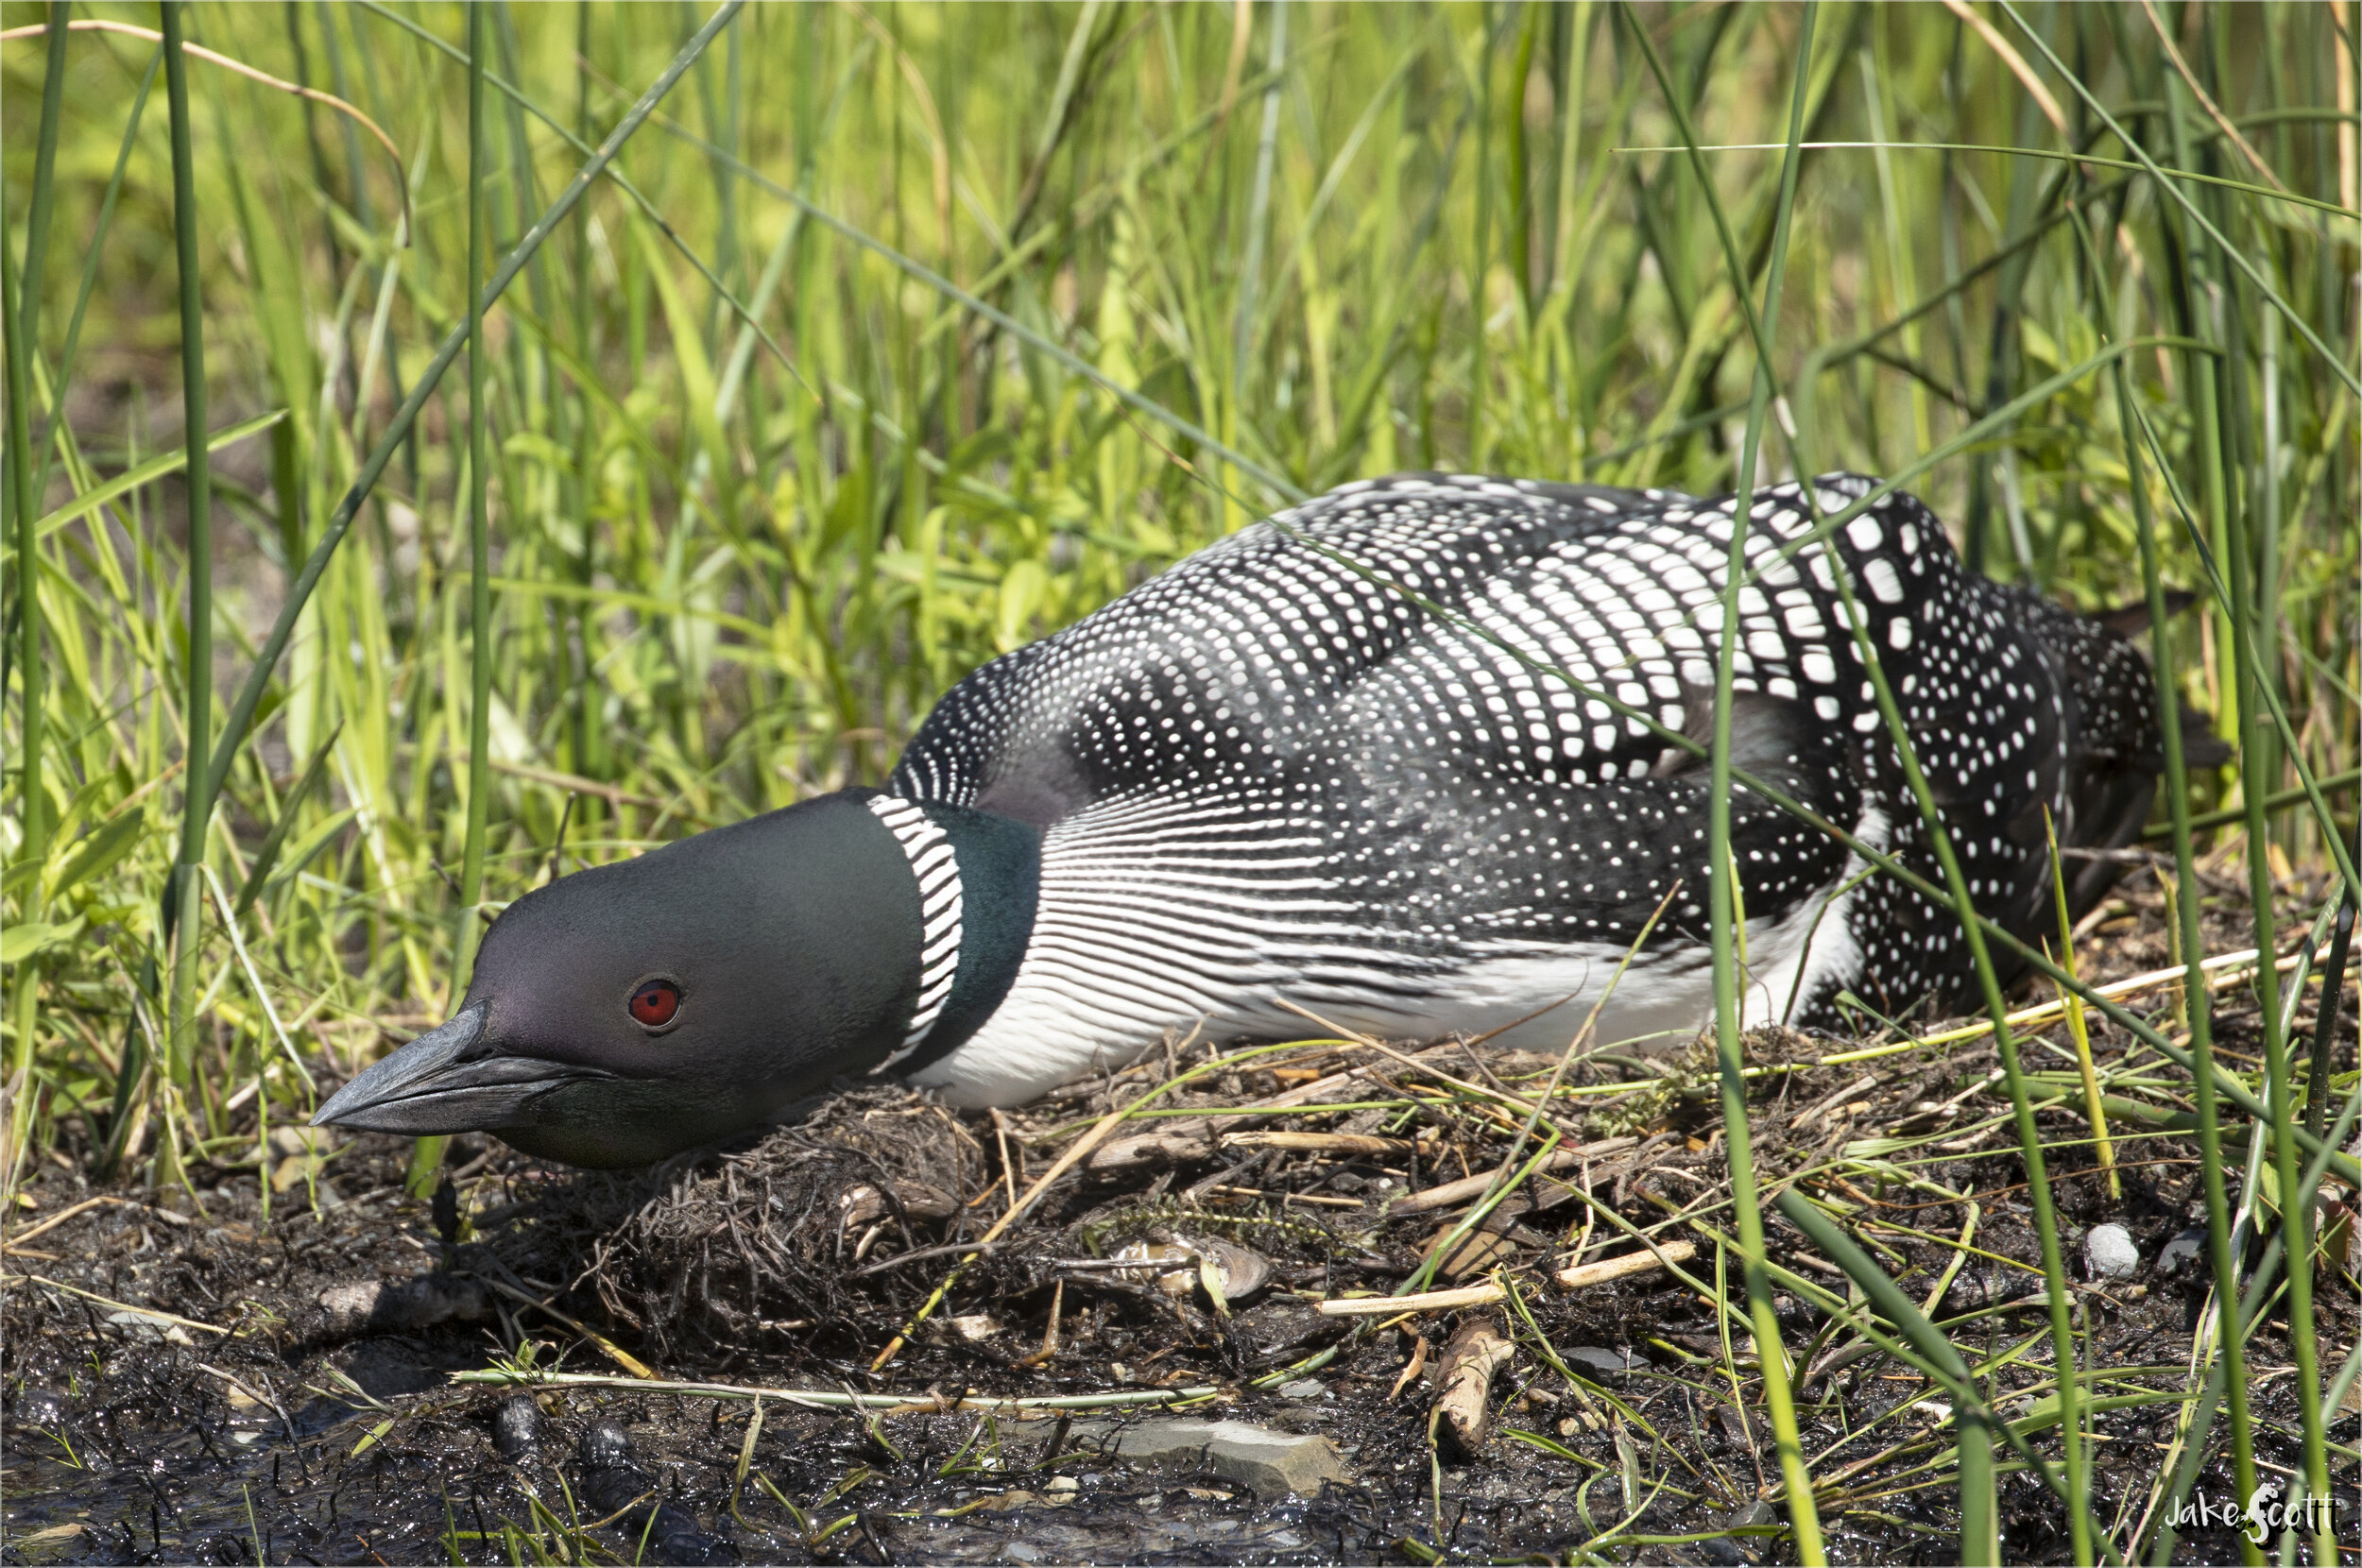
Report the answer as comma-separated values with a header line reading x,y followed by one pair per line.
x,y
190,1379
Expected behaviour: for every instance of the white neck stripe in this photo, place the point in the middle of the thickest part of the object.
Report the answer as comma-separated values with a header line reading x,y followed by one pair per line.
x,y
937,870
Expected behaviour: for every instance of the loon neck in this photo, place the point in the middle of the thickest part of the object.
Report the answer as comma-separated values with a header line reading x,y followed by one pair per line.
x,y
979,880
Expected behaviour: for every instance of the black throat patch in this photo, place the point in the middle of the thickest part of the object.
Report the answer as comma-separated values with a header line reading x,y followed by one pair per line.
x,y
983,872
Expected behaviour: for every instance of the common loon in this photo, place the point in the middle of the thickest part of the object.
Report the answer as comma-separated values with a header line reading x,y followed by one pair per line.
x,y
1380,756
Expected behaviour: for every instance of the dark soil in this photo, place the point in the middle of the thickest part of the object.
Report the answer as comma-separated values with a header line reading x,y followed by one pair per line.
x,y
306,1413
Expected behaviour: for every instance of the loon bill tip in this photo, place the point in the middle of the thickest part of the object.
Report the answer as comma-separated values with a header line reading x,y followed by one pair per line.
x,y
433,1084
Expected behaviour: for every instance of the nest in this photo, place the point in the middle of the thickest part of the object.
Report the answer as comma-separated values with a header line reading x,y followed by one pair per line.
x,y
722,1248
796,1244
1187,1237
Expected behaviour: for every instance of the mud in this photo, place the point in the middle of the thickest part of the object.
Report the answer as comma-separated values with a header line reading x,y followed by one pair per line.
x,y
304,1410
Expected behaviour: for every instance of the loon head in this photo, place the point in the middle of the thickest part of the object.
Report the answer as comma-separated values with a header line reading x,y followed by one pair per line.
x,y
629,1012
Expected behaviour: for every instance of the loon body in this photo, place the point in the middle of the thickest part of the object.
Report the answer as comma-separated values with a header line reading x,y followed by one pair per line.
x,y
1362,758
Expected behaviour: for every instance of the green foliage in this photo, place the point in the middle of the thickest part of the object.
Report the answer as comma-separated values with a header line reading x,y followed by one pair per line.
x,y
759,490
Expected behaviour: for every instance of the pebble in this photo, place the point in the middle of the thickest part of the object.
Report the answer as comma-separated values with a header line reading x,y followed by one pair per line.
x,y
1269,1462
1757,1513
605,1446
2109,1251
1303,1387
516,1427
395,1307
1602,1366
612,1484
146,1325
2186,1251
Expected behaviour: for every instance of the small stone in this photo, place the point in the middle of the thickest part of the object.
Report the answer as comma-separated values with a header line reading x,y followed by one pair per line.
x,y
146,1325
605,1446
1268,1462
1020,1551
2186,1251
1604,1365
516,1425
2109,1251
1756,1515
394,1306
1062,1485
1303,1387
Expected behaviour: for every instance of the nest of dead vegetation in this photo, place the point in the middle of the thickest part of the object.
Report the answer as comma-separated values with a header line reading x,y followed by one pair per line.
x,y
722,1248
822,1237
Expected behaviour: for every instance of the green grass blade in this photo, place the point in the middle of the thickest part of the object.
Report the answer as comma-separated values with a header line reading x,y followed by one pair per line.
x,y
265,857
44,170
2329,358
1981,1531
1726,932
97,248
275,645
2198,1000
33,849
1257,212
197,802
159,467
427,1154
480,637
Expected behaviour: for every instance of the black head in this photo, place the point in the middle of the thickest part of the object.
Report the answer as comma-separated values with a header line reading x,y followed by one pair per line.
x,y
629,1012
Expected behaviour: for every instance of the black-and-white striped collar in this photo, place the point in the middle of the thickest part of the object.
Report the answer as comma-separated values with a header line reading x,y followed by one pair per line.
x,y
937,868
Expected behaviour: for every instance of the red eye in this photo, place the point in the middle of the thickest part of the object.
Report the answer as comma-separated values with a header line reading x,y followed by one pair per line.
x,y
654,1004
